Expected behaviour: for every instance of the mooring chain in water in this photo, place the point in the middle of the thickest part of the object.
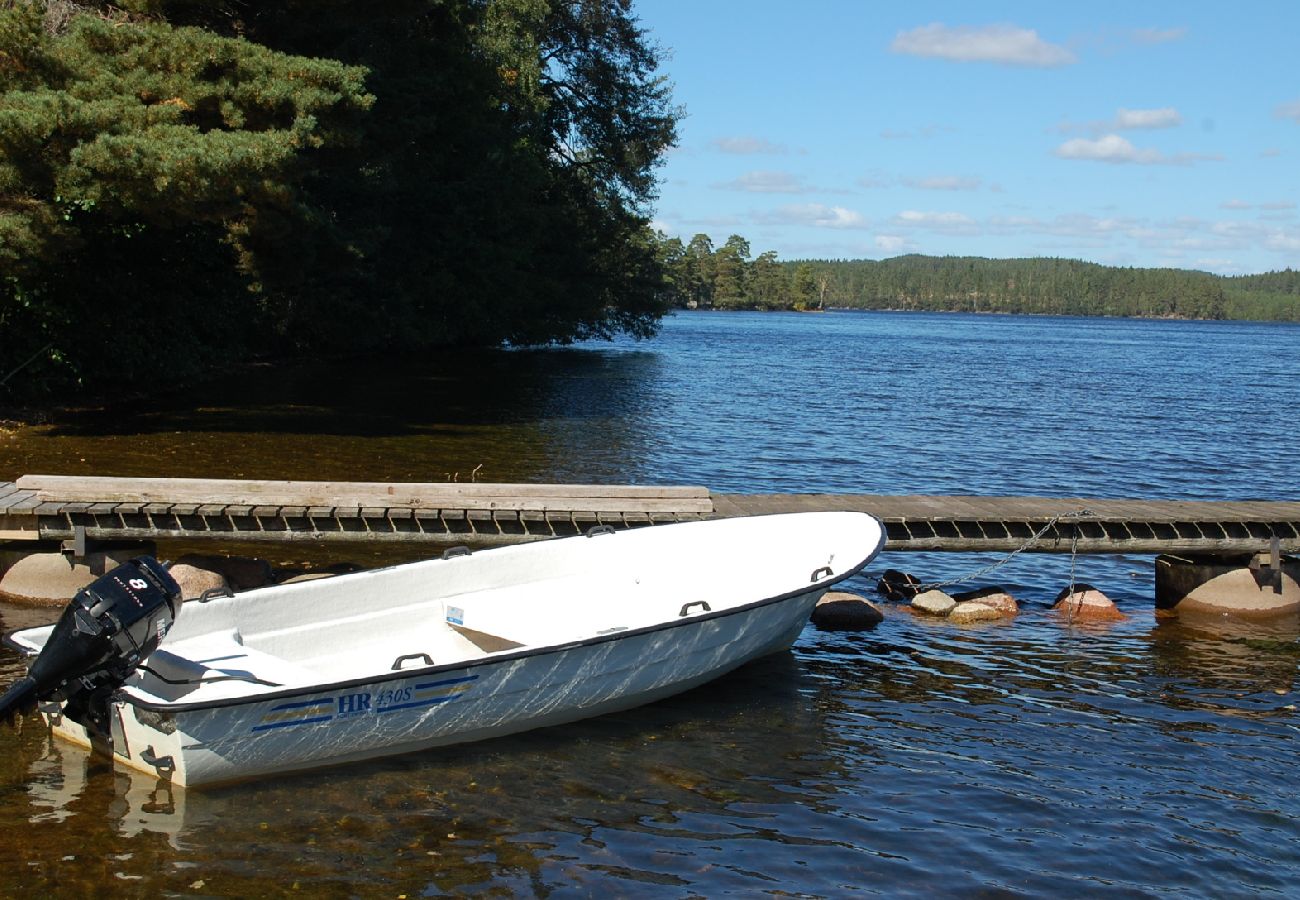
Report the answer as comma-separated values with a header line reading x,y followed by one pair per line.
x,y
1031,541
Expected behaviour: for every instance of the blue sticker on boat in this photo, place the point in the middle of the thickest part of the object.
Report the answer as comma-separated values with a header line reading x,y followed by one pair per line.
x,y
361,703
428,694
304,712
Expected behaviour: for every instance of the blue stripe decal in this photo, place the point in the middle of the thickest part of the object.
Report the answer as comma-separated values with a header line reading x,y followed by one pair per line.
x,y
415,703
291,724
329,700
434,684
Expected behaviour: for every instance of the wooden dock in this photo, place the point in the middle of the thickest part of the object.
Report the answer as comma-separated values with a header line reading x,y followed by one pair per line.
x,y
63,508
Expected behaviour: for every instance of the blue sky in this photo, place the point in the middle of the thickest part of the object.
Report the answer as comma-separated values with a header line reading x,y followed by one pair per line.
x,y
1143,134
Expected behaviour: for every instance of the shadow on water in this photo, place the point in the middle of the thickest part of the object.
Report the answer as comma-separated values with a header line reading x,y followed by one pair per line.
x,y
511,415
385,397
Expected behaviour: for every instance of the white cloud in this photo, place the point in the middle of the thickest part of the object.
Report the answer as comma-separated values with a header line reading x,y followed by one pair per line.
x,y
1165,117
945,183
1278,205
1283,241
1236,204
766,182
1125,120
1217,264
1004,44
733,223
1289,110
892,243
1112,148
813,214
922,132
945,222
745,145
1158,35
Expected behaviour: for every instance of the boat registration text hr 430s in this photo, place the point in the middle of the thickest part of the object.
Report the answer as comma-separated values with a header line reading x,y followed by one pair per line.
x,y
429,653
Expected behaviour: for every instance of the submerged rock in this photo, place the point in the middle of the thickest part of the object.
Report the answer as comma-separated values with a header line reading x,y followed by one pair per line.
x,y
1087,604
974,611
241,573
896,585
994,597
843,610
933,603
195,580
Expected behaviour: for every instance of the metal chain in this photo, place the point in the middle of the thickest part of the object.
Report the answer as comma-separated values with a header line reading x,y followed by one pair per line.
x,y
1033,539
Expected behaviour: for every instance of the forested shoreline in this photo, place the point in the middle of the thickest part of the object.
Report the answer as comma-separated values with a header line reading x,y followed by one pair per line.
x,y
726,277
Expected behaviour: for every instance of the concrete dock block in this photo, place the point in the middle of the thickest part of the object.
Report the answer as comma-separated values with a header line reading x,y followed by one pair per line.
x,y
1253,585
52,578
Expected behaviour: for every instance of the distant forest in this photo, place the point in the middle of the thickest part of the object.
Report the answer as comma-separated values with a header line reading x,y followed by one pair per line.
x,y
725,277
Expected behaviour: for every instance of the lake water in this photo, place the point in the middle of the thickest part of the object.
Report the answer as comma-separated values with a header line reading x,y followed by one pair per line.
x,y
1028,758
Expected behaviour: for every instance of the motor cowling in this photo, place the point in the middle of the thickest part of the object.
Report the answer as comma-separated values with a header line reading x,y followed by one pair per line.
x,y
104,633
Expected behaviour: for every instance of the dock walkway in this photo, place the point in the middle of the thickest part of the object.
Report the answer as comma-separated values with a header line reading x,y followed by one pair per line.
x,y
60,507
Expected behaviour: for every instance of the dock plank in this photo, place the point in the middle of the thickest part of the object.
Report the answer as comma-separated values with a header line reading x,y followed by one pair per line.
x,y
367,494
7,489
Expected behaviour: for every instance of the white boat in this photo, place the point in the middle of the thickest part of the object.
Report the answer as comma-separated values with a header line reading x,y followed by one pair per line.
x,y
468,647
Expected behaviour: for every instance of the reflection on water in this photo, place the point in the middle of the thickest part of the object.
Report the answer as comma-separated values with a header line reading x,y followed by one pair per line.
x,y
1149,756
556,415
1027,758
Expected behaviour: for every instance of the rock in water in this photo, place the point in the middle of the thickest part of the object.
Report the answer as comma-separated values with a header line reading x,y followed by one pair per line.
x,y
995,597
845,611
896,585
1087,604
974,611
241,573
195,580
933,603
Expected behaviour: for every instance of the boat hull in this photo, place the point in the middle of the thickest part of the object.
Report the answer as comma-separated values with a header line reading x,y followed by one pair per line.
x,y
317,674
445,705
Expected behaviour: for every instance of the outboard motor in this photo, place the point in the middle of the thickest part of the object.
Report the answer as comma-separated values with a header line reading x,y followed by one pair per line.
x,y
106,630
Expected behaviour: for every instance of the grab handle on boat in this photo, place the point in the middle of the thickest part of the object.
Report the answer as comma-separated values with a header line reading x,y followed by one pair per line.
x,y
453,552
214,593
686,607
162,763
397,663
819,574
599,529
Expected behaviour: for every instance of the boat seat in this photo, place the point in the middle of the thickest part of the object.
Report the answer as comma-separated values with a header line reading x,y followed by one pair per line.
x,y
220,669
488,643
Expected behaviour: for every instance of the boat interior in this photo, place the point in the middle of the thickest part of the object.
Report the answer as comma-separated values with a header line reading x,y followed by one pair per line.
x,y
447,611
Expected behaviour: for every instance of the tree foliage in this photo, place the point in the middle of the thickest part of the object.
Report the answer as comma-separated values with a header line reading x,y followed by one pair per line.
x,y
216,178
